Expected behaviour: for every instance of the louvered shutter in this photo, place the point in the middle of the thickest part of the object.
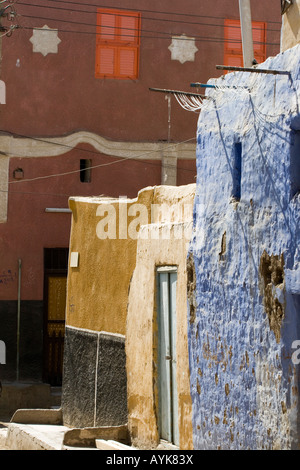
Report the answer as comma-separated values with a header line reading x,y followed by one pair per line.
x,y
259,41
232,36
107,27
233,47
233,60
105,61
117,44
127,62
129,28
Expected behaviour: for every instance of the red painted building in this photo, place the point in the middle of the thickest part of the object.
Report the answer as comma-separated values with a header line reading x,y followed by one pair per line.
x,y
79,119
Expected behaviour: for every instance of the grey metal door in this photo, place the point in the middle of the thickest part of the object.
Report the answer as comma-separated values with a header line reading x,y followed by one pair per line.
x,y
167,386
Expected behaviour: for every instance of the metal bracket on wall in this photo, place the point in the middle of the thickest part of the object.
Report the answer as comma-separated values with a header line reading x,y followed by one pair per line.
x,y
252,69
177,92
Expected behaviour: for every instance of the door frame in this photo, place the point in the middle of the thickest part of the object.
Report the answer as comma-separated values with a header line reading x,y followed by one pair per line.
x,y
168,425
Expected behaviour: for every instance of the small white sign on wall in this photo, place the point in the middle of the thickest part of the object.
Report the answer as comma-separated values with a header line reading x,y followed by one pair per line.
x,y
2,92
2,353
74,259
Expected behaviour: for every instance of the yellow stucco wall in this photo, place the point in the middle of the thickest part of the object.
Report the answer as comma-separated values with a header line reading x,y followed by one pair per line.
x,y
141,347
98,288
113,289
290,32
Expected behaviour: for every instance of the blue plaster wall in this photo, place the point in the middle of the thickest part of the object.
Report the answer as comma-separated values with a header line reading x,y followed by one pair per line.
x,y
244,383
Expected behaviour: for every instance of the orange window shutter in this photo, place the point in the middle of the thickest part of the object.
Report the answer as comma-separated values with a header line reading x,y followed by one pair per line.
x,y
117,44
259,38
128,62
105,61
233,60
233,36
233,47
106,30
129,29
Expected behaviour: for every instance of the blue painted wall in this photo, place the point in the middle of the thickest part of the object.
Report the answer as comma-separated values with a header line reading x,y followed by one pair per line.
x,y
244,377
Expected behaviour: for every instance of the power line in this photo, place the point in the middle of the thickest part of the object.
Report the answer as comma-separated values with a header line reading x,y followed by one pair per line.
x,y
34,193
120,160
144,18
199,38
70,147
133,9
153,19
167,34
131,29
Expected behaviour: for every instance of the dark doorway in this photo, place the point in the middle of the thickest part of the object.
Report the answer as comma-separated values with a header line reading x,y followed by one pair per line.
x,y
55,289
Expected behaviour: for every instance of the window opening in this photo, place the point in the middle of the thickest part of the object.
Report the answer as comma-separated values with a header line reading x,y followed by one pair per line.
x,y
237,171
85,170
295,164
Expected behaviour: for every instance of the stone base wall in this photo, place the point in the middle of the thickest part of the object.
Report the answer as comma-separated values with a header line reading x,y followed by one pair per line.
x,y
94,379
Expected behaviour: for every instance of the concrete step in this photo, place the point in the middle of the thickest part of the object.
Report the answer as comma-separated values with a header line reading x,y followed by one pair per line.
x,y
55,397
34,437
26,436
103,444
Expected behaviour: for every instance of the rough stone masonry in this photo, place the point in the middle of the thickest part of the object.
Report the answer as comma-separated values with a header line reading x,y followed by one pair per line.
x,y
244,262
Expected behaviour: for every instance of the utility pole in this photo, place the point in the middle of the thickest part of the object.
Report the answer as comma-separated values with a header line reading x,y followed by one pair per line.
x,y
246,27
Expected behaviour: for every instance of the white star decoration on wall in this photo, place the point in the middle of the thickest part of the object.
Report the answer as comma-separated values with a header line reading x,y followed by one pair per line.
x,y
183,49
45,40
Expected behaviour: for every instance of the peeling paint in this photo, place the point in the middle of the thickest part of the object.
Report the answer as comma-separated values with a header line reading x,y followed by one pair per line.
x,y
191,286
223,247
272,274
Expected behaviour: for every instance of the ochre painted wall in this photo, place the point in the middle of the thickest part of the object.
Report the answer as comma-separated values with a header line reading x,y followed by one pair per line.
x,y
113,290
290,33
141,336
98,287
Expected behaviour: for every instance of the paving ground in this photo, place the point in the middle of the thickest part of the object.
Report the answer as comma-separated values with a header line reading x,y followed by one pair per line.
x,y
3,433
17,436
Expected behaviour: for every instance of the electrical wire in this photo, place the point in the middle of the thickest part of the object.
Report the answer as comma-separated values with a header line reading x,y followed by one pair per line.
x,y
185,101
179,38
189,103
34,193
120,160
262,118
131,9
182,99
152,19
206,39
143,30
136,30
10,31
70,147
